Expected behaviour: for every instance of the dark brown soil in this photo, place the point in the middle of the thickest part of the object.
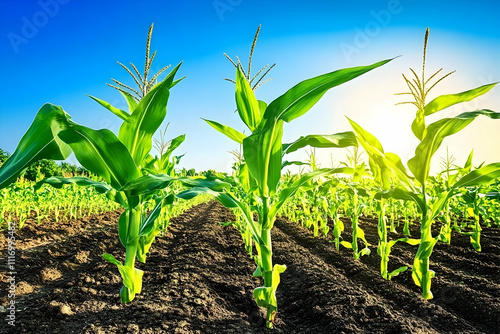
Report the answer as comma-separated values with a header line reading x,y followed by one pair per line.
x,y
198,279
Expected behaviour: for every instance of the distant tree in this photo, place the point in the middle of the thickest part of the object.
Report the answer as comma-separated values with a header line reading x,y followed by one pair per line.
x,y
4,155
46,167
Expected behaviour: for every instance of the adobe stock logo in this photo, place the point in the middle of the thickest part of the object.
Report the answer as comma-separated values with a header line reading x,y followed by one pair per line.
x,y
31,26
223,6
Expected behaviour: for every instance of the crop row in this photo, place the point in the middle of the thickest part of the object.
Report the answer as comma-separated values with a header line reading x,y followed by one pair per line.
x,y
258,192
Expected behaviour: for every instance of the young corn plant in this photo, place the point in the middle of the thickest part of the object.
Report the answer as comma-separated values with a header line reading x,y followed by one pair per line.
x,y
387,169
263,153
431,137
121,161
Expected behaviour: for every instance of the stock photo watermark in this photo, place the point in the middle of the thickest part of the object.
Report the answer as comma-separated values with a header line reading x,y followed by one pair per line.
x,y
223,6
31,24
364,35
11,275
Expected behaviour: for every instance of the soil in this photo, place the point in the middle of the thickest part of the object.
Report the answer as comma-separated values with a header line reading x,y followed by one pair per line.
x,y
198,279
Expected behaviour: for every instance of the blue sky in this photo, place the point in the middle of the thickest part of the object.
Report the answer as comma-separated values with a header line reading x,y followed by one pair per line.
x,y
59,50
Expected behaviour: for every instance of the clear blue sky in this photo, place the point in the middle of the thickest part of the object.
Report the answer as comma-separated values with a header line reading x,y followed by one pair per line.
x,y
59,50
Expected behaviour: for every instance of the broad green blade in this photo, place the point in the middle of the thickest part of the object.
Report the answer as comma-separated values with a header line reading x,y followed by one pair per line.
x,y
132,278
101,153
149,183
418,125
263,155
39,142
58,182
420,164
131,102
303,96
117,111
343,139
493,195
137,133
296,163
147,226
480,176
246,103
246,180
386,163
174,143
403,194
445,101
227,130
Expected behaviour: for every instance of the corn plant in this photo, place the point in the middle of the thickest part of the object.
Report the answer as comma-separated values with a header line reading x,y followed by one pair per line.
x,y
386,168
431,137
263,153
121,161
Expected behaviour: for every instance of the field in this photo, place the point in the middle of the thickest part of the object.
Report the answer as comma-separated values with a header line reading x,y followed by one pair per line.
x,y
129,242
198,280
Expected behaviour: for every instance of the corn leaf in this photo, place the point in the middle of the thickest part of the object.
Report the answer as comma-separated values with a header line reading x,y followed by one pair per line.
x,y
174,143
343,139
383,164
480,176
131,102
227,130
288,192
303,96
420,164
445,101
149,183
246,103
58,182
117,111
263,155
39,142
147,226
101,153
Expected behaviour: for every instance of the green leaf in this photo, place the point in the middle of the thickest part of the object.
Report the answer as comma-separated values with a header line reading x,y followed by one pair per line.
x,y
387,163
403,194
303,96
227,130
297,163
137,133
493,195
58,182
131,102
346,244
445,101
174,143
132,278
397,271
263,155
123,227
420,164
101,153
117,111
147,226
343,139
246,103
418,125
480,176
149,183
39,142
